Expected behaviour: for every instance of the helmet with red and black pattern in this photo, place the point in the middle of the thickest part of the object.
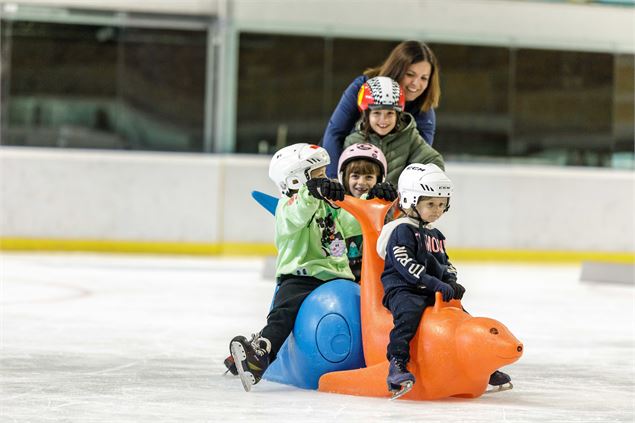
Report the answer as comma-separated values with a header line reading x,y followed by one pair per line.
x,y
381,92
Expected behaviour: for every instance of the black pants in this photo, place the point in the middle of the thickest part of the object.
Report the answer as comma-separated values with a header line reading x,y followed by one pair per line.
x,y
407,306
292,290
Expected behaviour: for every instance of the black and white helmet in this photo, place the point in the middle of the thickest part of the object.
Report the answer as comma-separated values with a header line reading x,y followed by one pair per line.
x,y
381,92
422,180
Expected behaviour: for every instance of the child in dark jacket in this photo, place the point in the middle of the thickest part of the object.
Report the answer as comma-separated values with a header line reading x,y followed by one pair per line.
x,y
417,265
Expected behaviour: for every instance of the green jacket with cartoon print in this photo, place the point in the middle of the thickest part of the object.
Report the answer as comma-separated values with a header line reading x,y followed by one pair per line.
x,y
310,238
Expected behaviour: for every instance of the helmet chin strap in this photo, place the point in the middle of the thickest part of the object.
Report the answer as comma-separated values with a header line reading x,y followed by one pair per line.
x,y
422,222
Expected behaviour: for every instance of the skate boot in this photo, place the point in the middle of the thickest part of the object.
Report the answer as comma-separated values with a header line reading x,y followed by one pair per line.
x,y
230,365
251,358
500,382
399,380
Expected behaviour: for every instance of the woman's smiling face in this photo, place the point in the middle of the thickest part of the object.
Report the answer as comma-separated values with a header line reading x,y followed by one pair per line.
x,y
415,80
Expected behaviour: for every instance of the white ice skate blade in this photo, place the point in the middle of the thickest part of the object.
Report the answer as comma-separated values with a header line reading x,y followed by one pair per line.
x,y
405,388
500,388
238,352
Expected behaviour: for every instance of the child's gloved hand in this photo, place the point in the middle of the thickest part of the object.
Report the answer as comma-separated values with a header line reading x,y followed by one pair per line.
x,y
448,277
325,189
383,191
445,289
459,290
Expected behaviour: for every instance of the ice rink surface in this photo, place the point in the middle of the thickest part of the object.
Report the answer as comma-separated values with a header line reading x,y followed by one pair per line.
x,y
92,338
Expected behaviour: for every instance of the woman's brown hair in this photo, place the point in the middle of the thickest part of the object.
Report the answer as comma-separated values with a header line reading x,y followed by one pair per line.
x,y
397,63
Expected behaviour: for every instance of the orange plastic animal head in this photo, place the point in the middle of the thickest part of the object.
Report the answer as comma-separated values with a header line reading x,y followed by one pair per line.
x,y
484,345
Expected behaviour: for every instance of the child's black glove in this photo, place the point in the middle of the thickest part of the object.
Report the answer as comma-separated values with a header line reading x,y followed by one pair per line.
x,y
445,289
459,290
383,191
448,277
325,189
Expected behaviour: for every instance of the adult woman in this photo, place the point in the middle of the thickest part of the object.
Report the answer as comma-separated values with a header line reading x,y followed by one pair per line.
x,y
415,67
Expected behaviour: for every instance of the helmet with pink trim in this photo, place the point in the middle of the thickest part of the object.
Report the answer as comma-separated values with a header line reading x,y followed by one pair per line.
x,y
381,92
362,151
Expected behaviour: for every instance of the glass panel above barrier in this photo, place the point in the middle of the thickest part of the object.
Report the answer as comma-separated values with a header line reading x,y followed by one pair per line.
x,y
563,107
474,117
280,88
102,86
288,86
498,104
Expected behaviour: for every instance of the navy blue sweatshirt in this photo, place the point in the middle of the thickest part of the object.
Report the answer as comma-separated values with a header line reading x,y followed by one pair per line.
x,y
413,256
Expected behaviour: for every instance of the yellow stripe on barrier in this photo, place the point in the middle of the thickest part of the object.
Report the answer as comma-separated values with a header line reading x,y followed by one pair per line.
x,y
135,247
539,256
255,249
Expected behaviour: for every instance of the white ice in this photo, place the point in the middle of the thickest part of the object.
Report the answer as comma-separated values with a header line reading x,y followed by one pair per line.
x,y
105,338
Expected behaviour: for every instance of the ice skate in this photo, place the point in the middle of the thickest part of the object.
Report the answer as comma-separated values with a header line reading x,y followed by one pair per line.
x,y
251,358
399,380
499,382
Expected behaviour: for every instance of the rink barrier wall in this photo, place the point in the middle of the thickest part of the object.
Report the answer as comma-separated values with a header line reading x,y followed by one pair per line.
x,y
176,203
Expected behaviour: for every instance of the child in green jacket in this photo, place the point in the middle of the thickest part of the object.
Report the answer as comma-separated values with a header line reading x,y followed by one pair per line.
x,y
311,251
384,124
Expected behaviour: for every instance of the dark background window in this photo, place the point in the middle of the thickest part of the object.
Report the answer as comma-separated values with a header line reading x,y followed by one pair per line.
x,y
96,86
563,103
473,118
497,103
288,86
122,87
280,86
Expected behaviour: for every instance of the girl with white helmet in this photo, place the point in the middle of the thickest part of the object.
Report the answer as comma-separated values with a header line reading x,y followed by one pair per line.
x,y
417,265
311,250
384,124
362,172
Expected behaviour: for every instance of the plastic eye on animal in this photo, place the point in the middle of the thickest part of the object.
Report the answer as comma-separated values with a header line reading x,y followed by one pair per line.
x,y
493,331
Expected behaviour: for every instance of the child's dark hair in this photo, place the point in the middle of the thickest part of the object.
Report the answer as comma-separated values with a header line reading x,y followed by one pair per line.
x,y
362,167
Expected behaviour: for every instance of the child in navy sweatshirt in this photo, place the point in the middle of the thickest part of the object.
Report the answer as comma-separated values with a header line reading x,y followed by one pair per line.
x,y
417,265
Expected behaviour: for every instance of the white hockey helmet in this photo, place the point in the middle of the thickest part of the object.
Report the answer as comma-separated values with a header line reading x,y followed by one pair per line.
x,y
291,166
422,180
